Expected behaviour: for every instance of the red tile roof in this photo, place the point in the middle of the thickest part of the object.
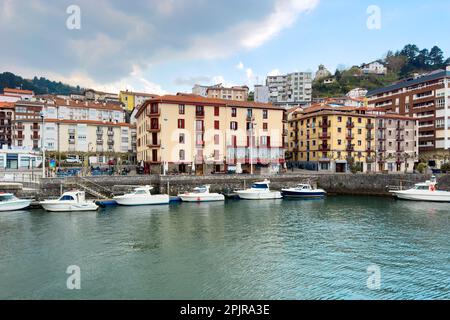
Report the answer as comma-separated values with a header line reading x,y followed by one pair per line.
x,y
7,105
17,91
84,104
202,101
93,122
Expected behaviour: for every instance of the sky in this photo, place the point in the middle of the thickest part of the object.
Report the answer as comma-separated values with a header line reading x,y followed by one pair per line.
x,y
167,46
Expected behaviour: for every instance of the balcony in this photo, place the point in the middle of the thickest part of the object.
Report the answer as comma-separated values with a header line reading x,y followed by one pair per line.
x,y
250,118
325,135
370,159
285,132
350,148
324,148
154,144
153,113
99,141
350,125
350,136
35,137
400,127
154,128
370,126
370,149
21,127
71,141
400,138
199,114
325,124
369,137
110,133
34,128
382,138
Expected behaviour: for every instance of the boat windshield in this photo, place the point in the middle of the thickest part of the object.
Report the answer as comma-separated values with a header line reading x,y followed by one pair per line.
x,y
422,187
66,198
260,186
200,190
140,192
6,197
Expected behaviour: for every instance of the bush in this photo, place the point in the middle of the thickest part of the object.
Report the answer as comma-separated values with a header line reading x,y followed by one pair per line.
x,y
356,167
421,167
445,167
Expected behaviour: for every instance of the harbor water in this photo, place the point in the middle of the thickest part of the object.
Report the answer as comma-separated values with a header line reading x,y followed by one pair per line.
x,y
275,249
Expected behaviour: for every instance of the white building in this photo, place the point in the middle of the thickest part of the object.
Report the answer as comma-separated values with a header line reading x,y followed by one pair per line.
x,y
357,93
14,95
374,67
290,89
200,90
261,94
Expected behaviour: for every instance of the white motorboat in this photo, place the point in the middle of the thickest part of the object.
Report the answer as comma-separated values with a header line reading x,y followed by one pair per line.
x,y
303,190
141,197
259,191
69,201
201,194
425,191
9,202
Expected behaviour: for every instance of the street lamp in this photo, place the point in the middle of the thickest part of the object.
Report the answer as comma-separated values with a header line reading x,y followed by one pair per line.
x,y
41,114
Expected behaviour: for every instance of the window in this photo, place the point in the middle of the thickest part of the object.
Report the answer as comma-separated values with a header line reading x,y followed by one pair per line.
x,y
339,119
339,130
216,139
359,143
182,155
359,131
265,126
233,125
359,120
216,111
181,138
154,108
180,123
216,125
199,125
216,155
233,112
199,111
265,114
339,142
181,109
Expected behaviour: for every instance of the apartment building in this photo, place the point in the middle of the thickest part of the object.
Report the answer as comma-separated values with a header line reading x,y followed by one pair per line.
x,y
337,139
68,126
6,124
95,95
426,97
218,91
187,133
261,94
13,95
130,100
374,67
290,89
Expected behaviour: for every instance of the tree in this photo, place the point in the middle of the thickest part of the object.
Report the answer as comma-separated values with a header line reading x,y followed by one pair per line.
x,y
410,51
422,59
436,57
447,62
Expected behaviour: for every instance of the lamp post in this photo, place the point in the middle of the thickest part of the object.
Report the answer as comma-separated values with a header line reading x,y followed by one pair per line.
x,y
42,143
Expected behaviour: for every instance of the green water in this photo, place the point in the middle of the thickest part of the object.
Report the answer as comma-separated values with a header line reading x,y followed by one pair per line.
x,y
278,249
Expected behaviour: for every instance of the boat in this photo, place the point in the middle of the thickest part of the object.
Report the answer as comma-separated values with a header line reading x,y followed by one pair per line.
x,y
201,194
9,202
259,191
303,190
424,191
70,201
141,197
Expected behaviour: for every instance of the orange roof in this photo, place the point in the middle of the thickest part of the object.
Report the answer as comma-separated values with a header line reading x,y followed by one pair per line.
x,y
17,91
93,122
202,101
84,104
7,105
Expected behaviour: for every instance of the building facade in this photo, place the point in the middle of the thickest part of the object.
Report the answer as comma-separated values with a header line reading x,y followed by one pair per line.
x,y
427,98
131,100
374,67
186,133
341,139
6,124
237,93
261,94
290,89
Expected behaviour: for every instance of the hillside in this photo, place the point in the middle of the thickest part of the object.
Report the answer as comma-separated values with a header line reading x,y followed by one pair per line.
x,y
400,64
38,85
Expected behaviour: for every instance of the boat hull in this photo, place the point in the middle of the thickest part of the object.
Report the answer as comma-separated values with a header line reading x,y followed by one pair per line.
x,y
431,196
201,198
61,206
302,194
158,199
259,195
15,205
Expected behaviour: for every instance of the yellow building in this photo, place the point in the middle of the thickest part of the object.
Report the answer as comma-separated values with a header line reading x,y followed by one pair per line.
x,y
185,133
339,139
131,100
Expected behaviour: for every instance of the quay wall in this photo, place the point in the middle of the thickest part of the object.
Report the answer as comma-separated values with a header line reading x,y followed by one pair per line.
x,y
356,184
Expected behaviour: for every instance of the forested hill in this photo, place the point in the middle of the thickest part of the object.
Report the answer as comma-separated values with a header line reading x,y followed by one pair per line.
x,y
400,64
38,85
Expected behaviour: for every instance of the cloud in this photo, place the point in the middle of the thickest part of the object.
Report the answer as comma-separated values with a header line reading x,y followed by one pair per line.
x,y
240,66
117,38
191,81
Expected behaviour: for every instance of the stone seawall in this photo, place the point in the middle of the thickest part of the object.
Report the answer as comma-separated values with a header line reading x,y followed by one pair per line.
x,y
357,184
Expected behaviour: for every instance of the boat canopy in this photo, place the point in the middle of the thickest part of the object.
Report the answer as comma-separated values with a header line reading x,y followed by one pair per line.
x,y
201,189
261,185
6,196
